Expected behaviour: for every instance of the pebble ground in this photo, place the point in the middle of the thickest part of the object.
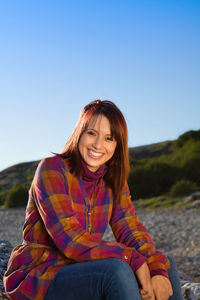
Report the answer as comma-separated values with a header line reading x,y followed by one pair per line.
x,y
175,232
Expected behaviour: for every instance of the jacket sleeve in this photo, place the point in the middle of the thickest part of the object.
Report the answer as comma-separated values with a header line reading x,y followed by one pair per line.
x,y
53,201
129,231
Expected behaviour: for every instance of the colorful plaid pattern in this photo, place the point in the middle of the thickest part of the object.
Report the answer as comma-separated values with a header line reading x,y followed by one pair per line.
x,y
63,226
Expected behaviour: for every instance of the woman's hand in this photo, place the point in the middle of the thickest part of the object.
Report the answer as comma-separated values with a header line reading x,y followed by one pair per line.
x,y
162,287
144,278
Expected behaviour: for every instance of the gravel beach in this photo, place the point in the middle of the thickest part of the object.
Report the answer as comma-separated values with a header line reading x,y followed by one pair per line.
x,y
175,232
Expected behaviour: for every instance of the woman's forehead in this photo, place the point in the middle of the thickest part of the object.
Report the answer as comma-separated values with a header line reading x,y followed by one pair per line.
x,y
100,123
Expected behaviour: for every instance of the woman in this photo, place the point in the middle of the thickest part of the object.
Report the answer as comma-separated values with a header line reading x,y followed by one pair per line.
x,y
73,197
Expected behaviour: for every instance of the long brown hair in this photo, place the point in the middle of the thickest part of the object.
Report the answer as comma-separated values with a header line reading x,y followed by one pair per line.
x,y
118,165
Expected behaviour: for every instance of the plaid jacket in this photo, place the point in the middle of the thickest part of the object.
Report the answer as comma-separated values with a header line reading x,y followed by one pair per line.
x,y
63,226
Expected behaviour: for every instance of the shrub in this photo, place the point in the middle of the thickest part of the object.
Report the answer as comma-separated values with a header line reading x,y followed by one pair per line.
x,y
191,168
152,179
183,188
189,135
161,176
17,196
138,182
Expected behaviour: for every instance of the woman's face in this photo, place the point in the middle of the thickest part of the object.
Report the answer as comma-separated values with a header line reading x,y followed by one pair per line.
x,y
96,144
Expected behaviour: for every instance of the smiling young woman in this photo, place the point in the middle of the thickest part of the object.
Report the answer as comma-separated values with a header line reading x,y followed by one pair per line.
x,y
118,163
97,145
74,196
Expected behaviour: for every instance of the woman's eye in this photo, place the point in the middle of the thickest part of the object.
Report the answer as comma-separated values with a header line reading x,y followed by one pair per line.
x,y
90,132
110,138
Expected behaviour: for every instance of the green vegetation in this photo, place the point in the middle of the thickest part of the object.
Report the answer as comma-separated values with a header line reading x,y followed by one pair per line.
x,y
183,188
177,168
18,174
193,135
161,174
152,178
163,202
17,196
159,202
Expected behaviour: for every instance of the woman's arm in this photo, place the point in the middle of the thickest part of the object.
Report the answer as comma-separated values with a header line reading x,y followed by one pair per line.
x,y
129,231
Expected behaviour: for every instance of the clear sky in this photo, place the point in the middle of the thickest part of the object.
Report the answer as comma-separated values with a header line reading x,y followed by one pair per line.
x,y
56,56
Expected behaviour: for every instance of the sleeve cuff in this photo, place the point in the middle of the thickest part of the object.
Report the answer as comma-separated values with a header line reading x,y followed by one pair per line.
x,y
158,264
127,254
159,272
137,260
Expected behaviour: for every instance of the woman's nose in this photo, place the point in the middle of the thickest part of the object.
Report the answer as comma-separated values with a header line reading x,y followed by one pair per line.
x,y
97,142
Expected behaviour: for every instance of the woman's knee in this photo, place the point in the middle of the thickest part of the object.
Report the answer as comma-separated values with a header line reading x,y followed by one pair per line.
x,y
118,268
172,262
122,279
174,278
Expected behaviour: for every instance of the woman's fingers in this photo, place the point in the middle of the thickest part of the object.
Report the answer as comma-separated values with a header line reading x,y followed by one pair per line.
x,y
145,295
162,287
145,281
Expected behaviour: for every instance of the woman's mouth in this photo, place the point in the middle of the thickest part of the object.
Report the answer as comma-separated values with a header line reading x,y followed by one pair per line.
x,y
94,154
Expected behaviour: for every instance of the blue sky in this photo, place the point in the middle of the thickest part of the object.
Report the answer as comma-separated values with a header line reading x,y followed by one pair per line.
x,y
56,56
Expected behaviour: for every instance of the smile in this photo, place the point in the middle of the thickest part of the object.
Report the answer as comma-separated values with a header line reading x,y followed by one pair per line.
x,y
94,154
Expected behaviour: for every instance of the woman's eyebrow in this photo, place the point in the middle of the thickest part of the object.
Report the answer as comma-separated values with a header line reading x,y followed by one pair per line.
x,y
109,134
91,128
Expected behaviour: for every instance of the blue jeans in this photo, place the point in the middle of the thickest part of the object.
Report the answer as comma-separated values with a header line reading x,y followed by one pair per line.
x,y
104,279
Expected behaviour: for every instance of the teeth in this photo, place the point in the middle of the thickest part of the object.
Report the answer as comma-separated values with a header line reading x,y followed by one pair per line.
x,y
95,154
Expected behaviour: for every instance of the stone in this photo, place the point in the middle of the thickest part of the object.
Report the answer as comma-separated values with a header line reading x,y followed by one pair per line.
x,y
196,203
181,226
5,251
190,290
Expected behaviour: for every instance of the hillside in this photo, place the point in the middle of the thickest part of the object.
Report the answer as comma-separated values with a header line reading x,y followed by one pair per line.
x,y
171,167
157,165
20,173
23,172
149,151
